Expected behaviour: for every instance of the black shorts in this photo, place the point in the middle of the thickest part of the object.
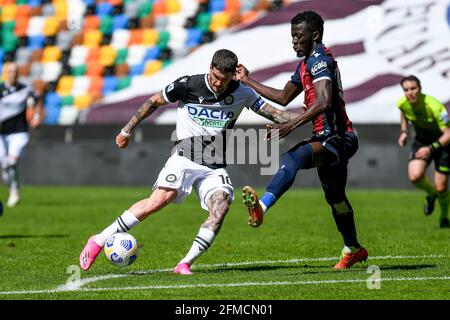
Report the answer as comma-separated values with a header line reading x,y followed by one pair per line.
x,y
343,147
440,157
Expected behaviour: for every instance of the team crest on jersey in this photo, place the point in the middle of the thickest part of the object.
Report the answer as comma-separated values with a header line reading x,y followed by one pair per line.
x,y
228,100
171,178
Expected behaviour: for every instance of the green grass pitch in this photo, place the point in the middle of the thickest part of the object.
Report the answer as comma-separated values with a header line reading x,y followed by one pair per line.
x,y
290,257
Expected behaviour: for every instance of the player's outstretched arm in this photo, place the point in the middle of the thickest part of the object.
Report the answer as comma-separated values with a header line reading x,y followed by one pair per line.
x,y
276,115
145,110
403,138
282,97
323,90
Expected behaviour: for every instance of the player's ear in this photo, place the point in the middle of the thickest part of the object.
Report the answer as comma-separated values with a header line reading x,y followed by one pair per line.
x,y
316,36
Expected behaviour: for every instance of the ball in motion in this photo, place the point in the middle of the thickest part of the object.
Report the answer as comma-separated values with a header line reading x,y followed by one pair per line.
x,y
121,249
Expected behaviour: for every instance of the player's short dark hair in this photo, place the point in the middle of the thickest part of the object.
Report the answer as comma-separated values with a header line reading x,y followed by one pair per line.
x,y
311,18
224,60
411,78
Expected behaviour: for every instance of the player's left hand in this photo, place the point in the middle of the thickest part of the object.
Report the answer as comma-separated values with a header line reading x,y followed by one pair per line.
x,y
278,131
423,153
121,141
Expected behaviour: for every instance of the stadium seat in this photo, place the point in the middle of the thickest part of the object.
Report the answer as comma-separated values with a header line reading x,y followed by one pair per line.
x,y
78,55
152,66
120,22
109,85
232,6
65,85
121,70
135,37
36,26
81,86
24,70
2,54
93,54
92,38
159,8
96,84
121,56
107,55
36,71
9,42
8,12
123,83
68,115
34,3
21,27
150,37
106,24
67,101
144,9
51,71
136,54
52,115
52,99
64,39
152,53
91,23
83,102
48,10
36,55
247,5
23,55
131,9
164,37
103,8
194,37
120,38
51,53
79,70
161,22
23,12
216,6
137,69
178,37
219,21
94,69
203,21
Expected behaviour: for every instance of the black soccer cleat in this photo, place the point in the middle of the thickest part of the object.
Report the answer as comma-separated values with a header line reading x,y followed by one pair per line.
x,y
428,208
444,223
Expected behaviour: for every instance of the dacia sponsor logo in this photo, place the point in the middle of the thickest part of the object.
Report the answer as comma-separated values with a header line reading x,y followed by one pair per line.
x,y
210,122
318,67
210,114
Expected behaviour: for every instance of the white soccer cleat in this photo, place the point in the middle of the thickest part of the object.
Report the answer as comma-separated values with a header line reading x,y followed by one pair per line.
x,y
13,199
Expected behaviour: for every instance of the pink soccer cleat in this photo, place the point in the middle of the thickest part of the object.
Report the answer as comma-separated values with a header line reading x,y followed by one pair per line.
x,y
89,253
182,268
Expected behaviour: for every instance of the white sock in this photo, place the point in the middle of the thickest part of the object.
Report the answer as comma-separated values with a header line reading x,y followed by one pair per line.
x,y
350,249
122,224
202,242
263,206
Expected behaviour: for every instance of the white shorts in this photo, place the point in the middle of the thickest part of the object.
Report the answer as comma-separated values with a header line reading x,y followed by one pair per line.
x,y
12,145
182,174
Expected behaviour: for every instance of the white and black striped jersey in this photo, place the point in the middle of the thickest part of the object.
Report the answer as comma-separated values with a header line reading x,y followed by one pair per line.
x,y
13,105
203,116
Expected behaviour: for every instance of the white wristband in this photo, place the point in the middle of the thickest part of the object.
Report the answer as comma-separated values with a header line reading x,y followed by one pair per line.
x,y
125,134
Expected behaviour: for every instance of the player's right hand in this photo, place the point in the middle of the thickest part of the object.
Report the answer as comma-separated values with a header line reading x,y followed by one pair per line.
x,y
121,141
241,72
402,139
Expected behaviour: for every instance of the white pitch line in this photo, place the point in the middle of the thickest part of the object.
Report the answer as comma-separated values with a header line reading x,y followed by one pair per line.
x,y
230,264
74,286
238,284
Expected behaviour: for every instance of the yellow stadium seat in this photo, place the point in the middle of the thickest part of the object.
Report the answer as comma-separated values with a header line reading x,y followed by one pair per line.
x,y
61,9
152,67
9,12
219,21
51,54
83,102
173,6
51,26
92,38
149,37
107,55
65,85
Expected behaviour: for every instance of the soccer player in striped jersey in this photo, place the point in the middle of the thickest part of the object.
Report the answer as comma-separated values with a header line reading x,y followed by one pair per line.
x,y
333,143
208,105
15,98
431,143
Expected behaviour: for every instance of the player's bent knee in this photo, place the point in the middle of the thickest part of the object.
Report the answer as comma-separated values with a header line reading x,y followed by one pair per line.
x,y
441,188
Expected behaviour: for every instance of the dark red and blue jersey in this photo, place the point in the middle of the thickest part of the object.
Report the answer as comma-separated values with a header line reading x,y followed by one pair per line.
x,y
320,65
